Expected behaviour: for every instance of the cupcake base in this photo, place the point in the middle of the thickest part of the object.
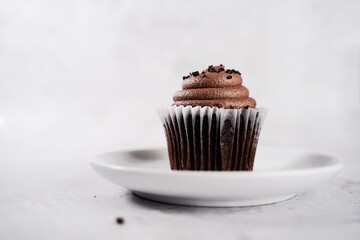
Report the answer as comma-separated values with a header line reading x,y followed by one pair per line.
x,y
212,139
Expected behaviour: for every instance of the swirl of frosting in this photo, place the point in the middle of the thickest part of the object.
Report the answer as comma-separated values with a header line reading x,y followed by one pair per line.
x,y
214,87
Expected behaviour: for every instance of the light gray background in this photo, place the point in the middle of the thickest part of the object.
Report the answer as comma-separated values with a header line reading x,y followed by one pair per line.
x,y
78,78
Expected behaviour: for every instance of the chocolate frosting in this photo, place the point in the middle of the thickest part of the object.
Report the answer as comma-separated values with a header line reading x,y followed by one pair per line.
x,y
214,87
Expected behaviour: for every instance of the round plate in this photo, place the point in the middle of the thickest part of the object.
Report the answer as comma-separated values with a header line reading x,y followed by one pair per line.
x,y
279,174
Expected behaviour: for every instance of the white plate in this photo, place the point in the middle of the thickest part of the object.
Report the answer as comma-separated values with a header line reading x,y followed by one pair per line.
x,y
279,174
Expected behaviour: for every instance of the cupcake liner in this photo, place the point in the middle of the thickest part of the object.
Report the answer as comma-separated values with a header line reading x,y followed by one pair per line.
x,y
211,138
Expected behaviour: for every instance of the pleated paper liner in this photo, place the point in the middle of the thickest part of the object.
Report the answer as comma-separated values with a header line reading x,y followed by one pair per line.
x,y
211,138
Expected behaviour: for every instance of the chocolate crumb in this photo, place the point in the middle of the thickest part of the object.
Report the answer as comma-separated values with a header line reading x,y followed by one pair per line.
x,y
227,71
203,72
185,77
221,69
120,220
229,77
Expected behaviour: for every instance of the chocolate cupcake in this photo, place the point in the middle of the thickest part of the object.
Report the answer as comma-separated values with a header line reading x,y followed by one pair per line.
x,y
213,124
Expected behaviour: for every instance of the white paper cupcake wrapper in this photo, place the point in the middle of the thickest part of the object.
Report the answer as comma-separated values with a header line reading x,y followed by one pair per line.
x,y
211,138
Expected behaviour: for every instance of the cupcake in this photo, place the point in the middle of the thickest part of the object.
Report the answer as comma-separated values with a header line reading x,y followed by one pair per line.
x,y
213,124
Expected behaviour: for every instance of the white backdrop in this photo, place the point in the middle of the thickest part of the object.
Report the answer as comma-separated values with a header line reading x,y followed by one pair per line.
x,y
78,78
82,77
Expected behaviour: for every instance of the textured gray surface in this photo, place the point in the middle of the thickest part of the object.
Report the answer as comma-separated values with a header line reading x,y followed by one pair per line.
x,y
68,201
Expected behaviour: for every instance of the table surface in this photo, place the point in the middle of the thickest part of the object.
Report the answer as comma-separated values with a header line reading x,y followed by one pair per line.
x,y
49,191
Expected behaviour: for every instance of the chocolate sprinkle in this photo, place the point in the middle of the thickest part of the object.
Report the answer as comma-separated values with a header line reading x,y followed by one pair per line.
x,y
195,73
211,68
120,220
229,77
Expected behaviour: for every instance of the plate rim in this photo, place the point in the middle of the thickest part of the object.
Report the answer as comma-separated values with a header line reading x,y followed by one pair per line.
x,y
339,164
